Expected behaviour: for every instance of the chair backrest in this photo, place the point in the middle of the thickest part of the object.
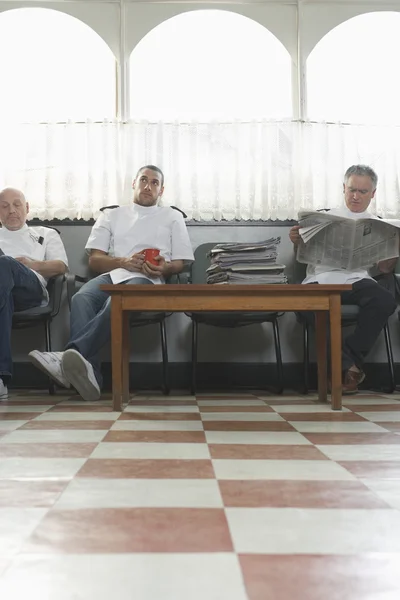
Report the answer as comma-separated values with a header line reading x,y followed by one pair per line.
x,y
201,263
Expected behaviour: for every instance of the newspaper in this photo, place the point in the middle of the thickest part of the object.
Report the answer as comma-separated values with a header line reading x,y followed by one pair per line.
x,y
251,263
342,243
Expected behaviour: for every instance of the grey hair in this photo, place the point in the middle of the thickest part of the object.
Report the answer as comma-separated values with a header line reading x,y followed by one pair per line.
x,y
361,171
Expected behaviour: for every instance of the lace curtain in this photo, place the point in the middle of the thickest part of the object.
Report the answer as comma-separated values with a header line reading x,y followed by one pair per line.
x,y
238,170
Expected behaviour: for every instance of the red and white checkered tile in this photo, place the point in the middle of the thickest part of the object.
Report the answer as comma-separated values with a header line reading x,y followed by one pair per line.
x,y
217,497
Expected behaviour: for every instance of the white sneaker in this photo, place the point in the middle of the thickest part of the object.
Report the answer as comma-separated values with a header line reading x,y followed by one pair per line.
x,y
50,363
80,374
3,391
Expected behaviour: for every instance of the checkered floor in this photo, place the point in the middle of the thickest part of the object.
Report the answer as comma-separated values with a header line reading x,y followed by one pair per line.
x,y
214,497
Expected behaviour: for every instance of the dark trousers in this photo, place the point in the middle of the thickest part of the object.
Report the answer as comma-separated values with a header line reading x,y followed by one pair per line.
x,y
20,289
376,304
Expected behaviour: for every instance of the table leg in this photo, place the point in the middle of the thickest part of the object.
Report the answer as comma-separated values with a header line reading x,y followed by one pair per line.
x,y
335,316
116,350
320,321
125,357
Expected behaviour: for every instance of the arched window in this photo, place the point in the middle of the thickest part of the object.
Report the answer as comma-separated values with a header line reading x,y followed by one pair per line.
x,y
210,65
352,73
53,67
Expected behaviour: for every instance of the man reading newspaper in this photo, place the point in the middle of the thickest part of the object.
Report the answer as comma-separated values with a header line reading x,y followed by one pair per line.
x,y
375,303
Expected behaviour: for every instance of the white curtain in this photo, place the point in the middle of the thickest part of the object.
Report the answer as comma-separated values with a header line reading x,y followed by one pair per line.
x,y
66,170
237,170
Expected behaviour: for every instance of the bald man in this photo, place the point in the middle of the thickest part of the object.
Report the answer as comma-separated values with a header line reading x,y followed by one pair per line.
x,y
29,256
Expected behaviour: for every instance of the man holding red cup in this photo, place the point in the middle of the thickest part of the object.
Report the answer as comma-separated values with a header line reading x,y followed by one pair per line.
x,y
142,243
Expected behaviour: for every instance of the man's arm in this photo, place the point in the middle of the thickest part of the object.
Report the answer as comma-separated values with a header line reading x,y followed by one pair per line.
x,y
388,265
100,262
46,268
55,261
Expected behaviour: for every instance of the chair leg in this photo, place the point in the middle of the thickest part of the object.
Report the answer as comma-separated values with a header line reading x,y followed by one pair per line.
x,y
194,356
278,354
164,351
306,358
389,353
47,335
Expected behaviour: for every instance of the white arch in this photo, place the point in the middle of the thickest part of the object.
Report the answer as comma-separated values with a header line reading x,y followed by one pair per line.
x,y
177,51
281,21
59,67
352,71
104,22
318,20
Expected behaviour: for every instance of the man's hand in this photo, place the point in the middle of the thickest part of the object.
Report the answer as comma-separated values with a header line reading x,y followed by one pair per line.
x,y
133,263
31,264
388,265
155,271
294,235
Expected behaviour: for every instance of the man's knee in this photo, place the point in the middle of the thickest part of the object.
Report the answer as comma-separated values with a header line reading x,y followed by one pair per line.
x,y
390,305
383,300
88,296
6,263
6,273
80,298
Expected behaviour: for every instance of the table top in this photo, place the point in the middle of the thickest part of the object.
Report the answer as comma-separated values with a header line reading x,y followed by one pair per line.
x,y
207,289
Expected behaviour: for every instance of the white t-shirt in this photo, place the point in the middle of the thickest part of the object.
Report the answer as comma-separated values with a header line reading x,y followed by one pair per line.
x,y
323,274
127,230
36,243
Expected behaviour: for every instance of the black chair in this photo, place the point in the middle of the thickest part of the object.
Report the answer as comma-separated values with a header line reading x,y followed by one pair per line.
x,y
349,318
43,314
226,319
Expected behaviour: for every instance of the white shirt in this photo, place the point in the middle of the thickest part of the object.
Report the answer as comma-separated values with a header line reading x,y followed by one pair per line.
x,y
126,230
35,243
323,274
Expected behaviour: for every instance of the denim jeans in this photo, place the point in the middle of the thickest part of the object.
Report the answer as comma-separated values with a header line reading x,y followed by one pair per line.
x,y
90,327
20,289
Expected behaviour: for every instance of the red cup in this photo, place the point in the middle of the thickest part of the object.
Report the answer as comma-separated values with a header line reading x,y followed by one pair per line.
x,y
150,255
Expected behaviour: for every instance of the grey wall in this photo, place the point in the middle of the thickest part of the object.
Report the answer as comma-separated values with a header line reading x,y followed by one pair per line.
x,y
216,345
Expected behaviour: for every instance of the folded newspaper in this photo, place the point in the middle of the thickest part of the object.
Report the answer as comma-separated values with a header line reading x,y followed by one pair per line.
x,y
342,243
249,276
246,263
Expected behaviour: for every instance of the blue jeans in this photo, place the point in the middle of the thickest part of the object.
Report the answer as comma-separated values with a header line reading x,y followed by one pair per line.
x,y
20,289
90,327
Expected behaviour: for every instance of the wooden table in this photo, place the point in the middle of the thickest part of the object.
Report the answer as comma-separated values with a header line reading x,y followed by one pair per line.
x,y
177,298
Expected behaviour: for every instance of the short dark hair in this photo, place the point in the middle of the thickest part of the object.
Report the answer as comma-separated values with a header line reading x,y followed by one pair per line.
x,y
152,168
361,171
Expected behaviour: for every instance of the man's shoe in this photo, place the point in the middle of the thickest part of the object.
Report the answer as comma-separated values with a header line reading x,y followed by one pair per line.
x,y
352,380
80,374
3,390
51,364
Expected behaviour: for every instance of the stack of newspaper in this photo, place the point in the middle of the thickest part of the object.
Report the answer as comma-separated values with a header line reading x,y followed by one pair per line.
x,y
244,263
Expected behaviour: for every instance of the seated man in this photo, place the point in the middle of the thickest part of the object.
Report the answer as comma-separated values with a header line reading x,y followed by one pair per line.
x,y
376,304
116,246
28,257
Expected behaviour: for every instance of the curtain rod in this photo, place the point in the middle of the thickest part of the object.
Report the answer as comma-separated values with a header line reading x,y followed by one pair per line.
x,y
212,122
